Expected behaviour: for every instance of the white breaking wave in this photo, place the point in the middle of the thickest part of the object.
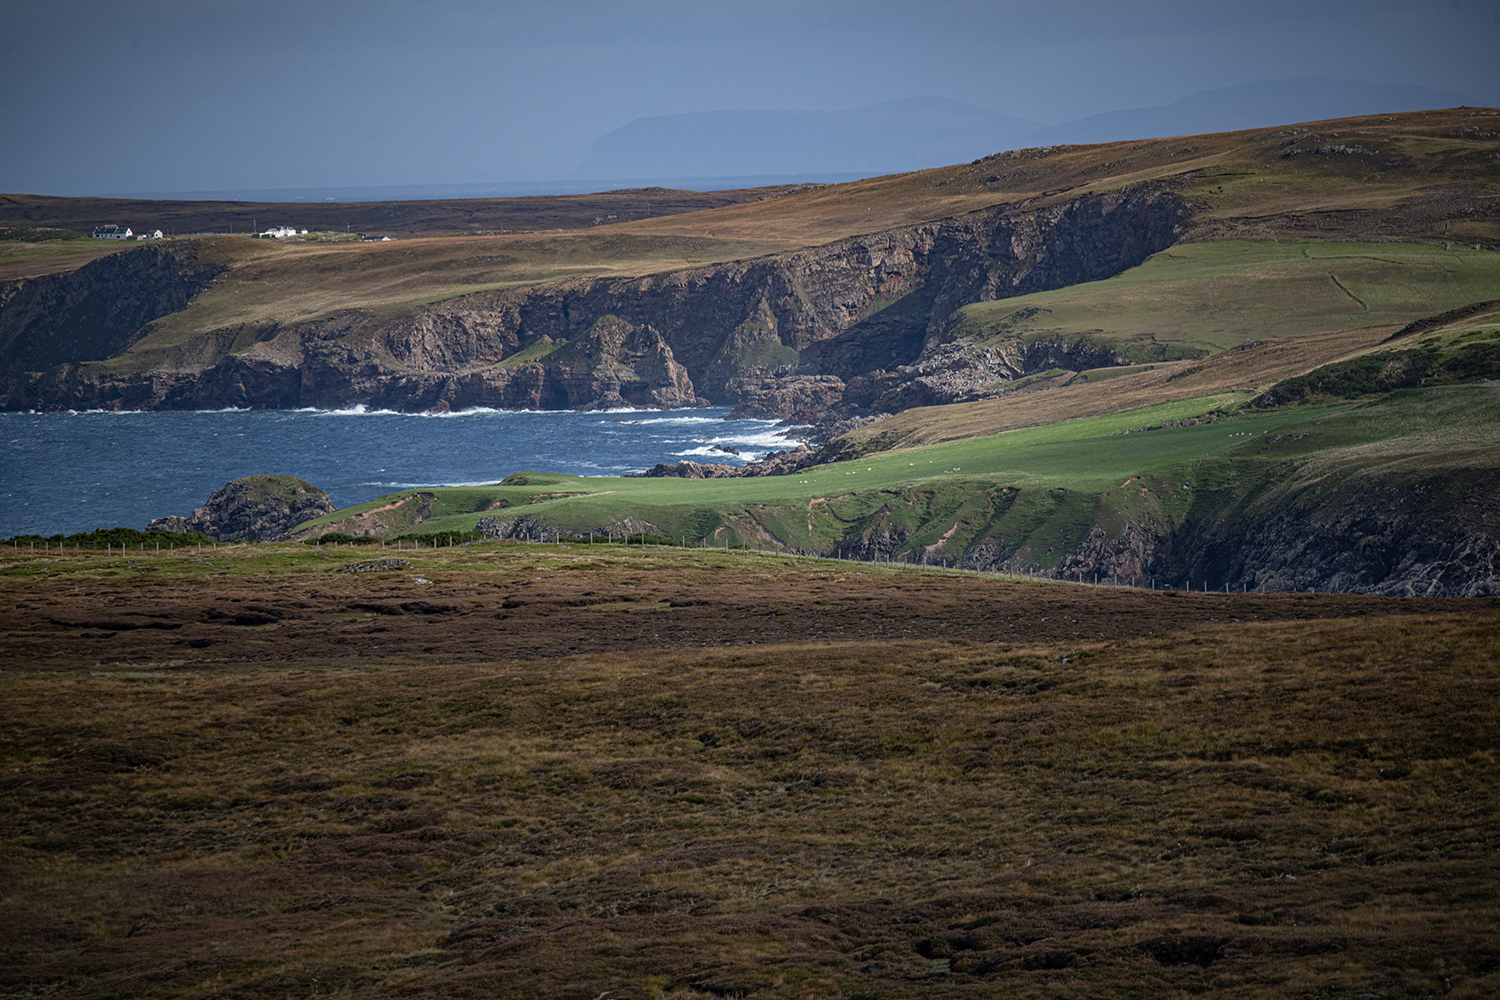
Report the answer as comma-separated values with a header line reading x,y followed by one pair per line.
x,y
431,486
717,456
357,410
776,440
689,421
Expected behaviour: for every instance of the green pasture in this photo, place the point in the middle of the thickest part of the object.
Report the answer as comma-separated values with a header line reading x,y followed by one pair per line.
x,y
1035,492
1205,297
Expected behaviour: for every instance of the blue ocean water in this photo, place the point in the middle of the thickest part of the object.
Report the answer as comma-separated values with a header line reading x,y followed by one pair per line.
x,y
71,472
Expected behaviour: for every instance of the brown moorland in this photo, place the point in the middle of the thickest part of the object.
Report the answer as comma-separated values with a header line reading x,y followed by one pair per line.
x,y
524,770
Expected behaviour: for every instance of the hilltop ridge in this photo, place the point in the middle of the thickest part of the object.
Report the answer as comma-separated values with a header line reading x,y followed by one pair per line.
x,y
813,303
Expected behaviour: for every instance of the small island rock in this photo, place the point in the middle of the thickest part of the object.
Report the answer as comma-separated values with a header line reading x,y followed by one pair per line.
x,y
261,508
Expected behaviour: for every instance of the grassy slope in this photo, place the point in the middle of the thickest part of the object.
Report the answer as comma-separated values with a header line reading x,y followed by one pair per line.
x,y
1195,806
28,253
1243,182
1204,297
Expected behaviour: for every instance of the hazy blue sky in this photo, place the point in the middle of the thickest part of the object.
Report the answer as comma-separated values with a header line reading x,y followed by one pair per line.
x,y
178,95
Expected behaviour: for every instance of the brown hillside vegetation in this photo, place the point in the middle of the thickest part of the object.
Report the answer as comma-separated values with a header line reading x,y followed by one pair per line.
x,y
21,260
584,772
1399,176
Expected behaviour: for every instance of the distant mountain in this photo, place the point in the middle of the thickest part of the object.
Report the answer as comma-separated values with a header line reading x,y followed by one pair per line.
x,y
932,131
879,139
1261,104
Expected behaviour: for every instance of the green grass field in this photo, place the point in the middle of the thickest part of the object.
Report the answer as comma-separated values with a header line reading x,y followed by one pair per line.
x,y
1204,297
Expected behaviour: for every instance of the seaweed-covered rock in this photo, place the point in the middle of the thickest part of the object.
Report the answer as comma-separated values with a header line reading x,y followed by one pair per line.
x,y
260,508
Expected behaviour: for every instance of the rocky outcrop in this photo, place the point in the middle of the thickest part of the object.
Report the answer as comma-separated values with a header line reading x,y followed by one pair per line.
x,y
259,508
782,335
785,396
960,371
776,463
618,364
691,470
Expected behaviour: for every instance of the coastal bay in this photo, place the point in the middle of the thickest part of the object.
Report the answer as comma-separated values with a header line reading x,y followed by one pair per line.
x,y
71,472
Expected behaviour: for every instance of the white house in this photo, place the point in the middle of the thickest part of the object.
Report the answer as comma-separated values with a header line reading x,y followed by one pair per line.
x,y
280,232
114,232
155,234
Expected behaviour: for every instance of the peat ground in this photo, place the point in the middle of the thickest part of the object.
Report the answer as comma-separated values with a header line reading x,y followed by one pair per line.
x,y
584,771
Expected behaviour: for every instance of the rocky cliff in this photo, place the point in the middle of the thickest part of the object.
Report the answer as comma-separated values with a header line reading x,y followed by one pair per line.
x,y
94,312
260,508
785,335
1382,543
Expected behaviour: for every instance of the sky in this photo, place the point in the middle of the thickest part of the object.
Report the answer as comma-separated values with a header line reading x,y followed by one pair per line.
x,y
162,96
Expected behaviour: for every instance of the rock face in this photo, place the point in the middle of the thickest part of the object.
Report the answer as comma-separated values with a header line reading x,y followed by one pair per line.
x,y
618,364
259,508
93,313
784,336
785,396
1428,538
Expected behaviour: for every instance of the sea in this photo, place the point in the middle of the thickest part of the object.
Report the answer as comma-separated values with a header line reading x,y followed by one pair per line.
x,y
62,473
